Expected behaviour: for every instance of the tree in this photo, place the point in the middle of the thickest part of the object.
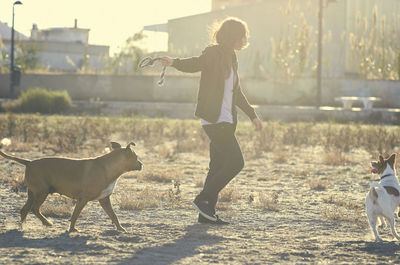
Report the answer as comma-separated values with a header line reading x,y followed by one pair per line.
x,y
128,58
27,58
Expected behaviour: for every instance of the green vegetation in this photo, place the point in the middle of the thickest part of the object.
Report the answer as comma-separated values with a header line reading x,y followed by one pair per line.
x,y
27,57
40,100
375,46
126,61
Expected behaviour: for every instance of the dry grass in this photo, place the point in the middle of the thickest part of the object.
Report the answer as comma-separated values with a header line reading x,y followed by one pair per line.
x,y
302,173
195,144
151,198
334,158
353,217
166,151
343,201
57,207
199,182
318,184
280,157
173,195
71,134
267,201
224,206
335,213
15,181
147,198
228,194
18,184
166,176
18,146
168,138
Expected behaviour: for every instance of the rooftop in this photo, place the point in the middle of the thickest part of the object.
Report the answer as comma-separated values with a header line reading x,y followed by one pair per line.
x,y
5,33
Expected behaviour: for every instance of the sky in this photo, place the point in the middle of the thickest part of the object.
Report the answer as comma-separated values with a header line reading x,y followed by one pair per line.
x,y
110,22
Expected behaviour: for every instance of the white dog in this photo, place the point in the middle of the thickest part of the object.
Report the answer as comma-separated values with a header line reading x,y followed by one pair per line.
x,y
383,197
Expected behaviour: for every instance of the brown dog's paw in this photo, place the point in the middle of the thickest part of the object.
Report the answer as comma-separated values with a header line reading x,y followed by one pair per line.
x,y
73,229
47,223
121,229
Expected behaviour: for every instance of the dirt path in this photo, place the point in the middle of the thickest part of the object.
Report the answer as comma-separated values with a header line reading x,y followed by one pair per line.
x,y
318,218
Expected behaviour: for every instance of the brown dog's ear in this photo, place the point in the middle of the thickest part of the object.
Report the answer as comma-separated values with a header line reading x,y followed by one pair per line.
x,y
129,145
381,159
115,145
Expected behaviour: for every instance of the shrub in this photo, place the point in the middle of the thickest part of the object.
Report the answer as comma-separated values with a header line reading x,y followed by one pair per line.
x,y
229,194
268,201
318,184
40,100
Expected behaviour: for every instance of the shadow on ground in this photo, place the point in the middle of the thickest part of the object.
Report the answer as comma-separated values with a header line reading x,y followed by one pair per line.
x,y
387,249
65,241
196,235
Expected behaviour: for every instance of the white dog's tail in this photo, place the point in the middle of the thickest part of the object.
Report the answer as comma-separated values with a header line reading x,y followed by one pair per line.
x,y
372,192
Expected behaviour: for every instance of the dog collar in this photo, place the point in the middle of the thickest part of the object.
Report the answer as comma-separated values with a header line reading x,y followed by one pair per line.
x,y
384,176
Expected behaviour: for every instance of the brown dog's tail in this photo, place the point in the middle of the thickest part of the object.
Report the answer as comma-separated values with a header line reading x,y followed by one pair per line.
x,y
19,160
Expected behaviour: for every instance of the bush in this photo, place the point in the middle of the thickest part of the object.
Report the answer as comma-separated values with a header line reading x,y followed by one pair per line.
x,y
40,100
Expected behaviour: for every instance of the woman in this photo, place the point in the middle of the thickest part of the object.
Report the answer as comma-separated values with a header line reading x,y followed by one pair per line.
x,y
218,96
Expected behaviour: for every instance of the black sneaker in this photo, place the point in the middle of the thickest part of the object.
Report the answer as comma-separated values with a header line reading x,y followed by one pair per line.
x,y
204,209
206,221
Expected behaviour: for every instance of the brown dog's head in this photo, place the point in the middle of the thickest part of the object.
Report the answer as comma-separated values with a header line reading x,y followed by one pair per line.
x,y
378,167
130,161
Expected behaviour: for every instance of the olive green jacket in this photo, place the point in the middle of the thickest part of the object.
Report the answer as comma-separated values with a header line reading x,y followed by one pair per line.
x,y
212,82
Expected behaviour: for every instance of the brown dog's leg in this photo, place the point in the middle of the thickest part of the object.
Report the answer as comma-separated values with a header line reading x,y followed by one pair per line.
x,y
106,205
78,208
38,199
27,207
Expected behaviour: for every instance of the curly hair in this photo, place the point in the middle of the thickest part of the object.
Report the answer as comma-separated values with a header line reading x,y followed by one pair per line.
x,y
228,34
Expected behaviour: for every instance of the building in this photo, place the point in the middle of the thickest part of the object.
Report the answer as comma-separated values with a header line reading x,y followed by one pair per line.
x,y
223,4
283,33
5,33
63,49
5,42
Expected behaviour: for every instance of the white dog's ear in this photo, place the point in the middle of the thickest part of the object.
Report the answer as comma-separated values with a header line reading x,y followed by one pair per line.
x,y
392,158
115,145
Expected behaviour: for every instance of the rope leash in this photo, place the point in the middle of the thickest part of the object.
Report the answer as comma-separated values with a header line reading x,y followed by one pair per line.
x,y
148,61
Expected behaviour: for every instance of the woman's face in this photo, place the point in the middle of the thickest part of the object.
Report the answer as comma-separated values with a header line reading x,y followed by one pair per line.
x,y
240,44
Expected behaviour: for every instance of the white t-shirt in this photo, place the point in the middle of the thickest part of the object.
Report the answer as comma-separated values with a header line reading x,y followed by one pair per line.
x,y
226,108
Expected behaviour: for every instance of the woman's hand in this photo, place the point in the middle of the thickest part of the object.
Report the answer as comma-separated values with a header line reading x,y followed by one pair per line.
x,y
166,61
257,124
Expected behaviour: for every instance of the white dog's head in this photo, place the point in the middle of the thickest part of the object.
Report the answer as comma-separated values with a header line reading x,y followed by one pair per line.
x,y
378,167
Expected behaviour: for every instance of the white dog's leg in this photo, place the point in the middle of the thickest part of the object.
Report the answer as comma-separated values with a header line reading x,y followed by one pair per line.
x,y
391,221
382,222
372,222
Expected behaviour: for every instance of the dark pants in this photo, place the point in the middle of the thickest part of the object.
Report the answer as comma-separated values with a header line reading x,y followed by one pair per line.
x,y
226,160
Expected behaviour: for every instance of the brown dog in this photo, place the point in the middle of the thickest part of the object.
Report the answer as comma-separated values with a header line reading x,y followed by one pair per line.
x,y
81,179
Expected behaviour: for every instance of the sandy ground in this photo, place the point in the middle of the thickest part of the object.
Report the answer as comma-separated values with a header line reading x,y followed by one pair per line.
x,y
318,218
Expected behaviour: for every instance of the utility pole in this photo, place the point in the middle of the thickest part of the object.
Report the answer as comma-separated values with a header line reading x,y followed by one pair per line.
x,y
12,74
319,68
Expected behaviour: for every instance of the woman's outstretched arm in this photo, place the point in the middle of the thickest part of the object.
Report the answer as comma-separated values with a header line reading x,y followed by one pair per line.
x,y
188,65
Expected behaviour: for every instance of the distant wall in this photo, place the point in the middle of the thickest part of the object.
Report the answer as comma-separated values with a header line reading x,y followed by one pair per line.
x,y
184,89
109,87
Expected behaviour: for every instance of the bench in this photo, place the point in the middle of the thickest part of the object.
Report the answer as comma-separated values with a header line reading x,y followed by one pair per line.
x,y
367,101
